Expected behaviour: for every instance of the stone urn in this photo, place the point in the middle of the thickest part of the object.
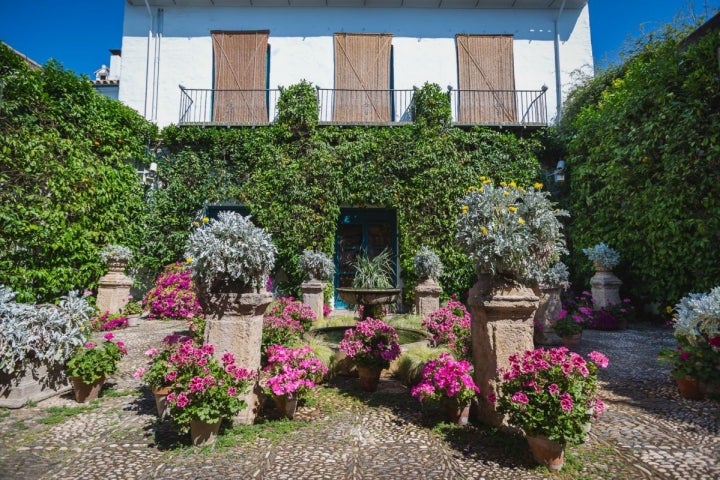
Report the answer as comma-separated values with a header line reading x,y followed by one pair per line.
x,y
546,314
502,324
233,323
114,287
427,297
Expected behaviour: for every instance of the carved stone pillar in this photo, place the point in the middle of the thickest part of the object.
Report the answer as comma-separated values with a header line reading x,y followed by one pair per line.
x,y
114,288
312,296
502,324
427,297
233,323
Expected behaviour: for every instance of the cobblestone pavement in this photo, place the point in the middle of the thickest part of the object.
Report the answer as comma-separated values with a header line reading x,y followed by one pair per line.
x,y
648,432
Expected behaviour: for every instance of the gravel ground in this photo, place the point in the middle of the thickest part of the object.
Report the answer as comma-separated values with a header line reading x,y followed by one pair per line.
x,y
648,431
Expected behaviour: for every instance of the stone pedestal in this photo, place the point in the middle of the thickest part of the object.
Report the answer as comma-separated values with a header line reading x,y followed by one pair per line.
x,y
312,296
427,297
502,324
114,288
233,323
605,288
546,315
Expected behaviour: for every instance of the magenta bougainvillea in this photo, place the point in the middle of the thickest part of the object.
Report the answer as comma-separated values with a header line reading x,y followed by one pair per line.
x,y
174,295
450,327
289,307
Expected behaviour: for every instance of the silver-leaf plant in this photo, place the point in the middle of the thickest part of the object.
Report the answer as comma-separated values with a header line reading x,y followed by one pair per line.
x,y
230,249
427,264
316,265
47,333
115,253
603,254
556,276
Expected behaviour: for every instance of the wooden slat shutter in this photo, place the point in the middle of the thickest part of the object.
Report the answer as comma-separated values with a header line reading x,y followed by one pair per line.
x,y
362,78
485,63
240,77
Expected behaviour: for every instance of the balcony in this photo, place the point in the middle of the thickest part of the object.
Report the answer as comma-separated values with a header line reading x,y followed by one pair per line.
x,y
504,108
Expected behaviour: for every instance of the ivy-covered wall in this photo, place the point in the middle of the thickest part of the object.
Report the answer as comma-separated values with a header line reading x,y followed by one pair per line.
x,y
295,176
644,174
67,181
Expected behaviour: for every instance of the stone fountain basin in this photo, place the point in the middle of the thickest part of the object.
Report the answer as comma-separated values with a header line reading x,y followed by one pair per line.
x,y
368,296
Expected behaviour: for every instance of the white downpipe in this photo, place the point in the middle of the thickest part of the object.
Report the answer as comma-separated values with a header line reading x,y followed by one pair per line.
x,y
147,59
558,82
159,20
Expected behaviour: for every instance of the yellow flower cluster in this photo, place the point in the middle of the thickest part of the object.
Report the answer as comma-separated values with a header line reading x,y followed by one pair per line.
x,y
512,208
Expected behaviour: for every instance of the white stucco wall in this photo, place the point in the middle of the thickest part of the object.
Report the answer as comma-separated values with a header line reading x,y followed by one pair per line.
x,y
177,49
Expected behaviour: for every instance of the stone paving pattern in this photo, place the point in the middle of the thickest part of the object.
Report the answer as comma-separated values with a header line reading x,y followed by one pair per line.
x,y
648,431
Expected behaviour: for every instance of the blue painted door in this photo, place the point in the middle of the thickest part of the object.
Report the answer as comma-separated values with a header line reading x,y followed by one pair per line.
x,y
360,230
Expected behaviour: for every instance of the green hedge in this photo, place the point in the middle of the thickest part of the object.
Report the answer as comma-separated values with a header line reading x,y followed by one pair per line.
x,y
66,186
643,149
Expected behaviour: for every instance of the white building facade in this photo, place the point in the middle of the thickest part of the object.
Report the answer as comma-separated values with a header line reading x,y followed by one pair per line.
x,y
506,62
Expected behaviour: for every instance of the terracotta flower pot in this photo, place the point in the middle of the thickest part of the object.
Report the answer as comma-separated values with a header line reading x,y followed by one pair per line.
x,y
85,392
203,433
369,378
547,452
161,405
286,406
457,413
689,388
572,341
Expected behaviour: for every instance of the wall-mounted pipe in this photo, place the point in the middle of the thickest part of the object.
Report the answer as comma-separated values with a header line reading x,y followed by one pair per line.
x,y
147,59
558,81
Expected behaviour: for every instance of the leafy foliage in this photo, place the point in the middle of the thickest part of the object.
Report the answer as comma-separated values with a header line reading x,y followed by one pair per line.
x,y
295,185
427,264
643,142
67,181
47,333
92,362
431,106
230,249
375,272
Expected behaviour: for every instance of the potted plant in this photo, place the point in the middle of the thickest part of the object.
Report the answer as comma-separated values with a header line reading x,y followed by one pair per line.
x,y
451,382
318,269
155,374
204,390
372,286
230,250
428,269
316,265
290,374
449,327
92,364
116,257
372,344
569,326
550,284
696,328
132,311
35,343
551,395
603,257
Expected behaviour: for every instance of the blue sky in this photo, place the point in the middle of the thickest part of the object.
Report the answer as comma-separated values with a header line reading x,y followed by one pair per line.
x,y
79,33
